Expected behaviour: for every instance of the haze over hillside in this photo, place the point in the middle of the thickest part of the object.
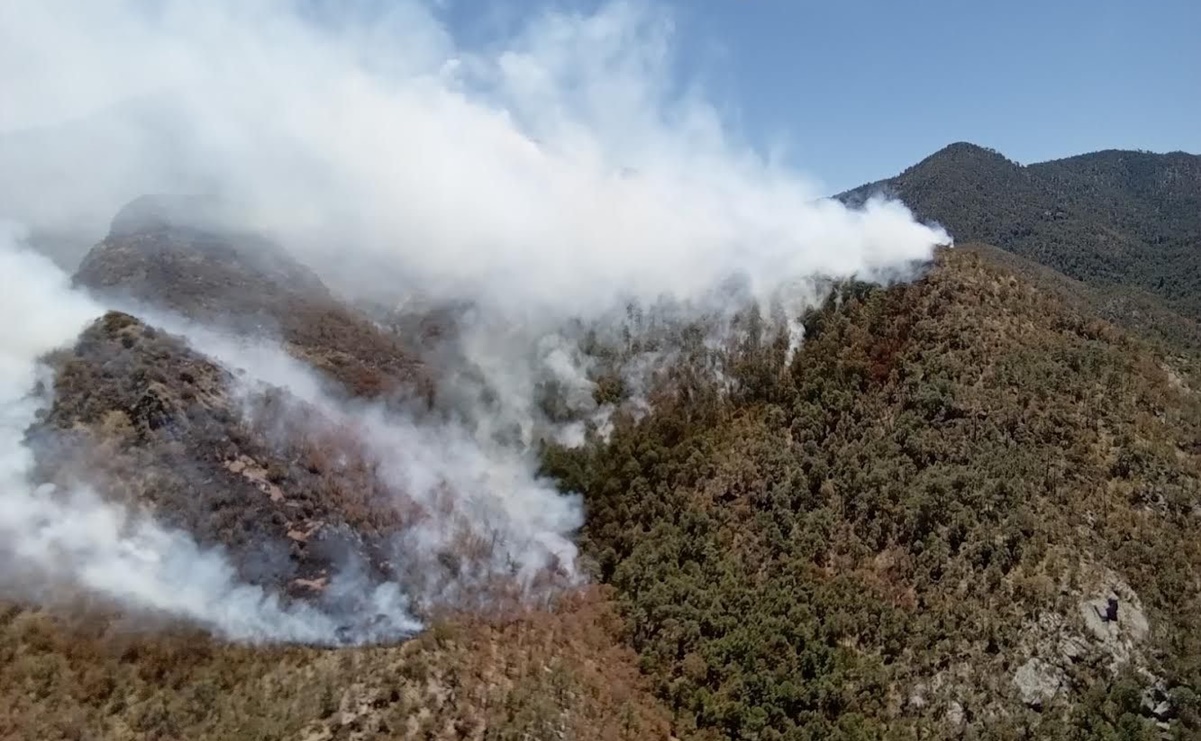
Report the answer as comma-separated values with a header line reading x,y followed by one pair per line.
x,y
220,455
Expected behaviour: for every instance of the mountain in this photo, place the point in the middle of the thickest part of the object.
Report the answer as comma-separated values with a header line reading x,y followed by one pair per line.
x,y
907,529
181,255
964,507
159,427
290,481
1124,219
156,424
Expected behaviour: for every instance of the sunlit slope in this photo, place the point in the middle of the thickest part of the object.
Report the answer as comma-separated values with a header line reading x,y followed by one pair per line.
x,y
904,526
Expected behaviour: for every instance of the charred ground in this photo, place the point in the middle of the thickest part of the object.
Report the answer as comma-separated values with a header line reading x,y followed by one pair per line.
x,y
158,426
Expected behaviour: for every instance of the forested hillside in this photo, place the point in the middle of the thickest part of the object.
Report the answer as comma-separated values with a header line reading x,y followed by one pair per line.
x,y
76,673
965,506
432,370
898,532
244,475
1112,218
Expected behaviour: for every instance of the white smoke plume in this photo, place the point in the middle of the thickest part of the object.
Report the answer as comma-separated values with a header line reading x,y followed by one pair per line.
x,y
557,174
463,480
548,173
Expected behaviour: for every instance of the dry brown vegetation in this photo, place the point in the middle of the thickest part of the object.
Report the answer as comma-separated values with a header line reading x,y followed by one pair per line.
x,y
155,425
892,514
867,540
532,675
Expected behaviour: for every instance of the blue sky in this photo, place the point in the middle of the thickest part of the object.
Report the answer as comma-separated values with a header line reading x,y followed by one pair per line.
x,y
855,91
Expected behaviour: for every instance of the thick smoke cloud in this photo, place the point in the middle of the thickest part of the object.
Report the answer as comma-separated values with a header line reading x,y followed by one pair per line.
x,y
554,175
550,172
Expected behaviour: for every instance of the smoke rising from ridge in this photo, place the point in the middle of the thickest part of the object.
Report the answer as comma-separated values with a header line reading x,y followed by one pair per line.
x,y
555,175
469,484
552,172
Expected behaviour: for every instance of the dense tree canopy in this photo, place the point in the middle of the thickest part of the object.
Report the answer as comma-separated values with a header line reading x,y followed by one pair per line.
x,y
896,530
939,465
1113,218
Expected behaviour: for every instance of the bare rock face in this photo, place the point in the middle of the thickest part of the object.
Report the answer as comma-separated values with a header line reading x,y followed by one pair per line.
x,y
1114,617
955,716
186,255
1038,682
1059,648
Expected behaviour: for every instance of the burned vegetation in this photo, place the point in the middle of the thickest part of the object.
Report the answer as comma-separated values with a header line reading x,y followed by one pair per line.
x,y
964,508
157,426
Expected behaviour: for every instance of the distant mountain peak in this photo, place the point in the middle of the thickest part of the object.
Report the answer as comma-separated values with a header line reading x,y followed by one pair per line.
x,y
963,153
964,147
1113,217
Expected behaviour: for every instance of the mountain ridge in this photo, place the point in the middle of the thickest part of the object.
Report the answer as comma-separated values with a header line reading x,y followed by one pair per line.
x,y
1114,218
902,529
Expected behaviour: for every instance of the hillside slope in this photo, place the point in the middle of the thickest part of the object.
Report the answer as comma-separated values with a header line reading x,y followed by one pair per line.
x,y
534,674
179,254
1117,218
289,493
912,527
906,528
154,424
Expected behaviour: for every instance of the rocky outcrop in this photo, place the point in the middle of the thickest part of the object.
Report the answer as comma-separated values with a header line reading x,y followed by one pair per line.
x,y
1038,682
1113,616
1105,636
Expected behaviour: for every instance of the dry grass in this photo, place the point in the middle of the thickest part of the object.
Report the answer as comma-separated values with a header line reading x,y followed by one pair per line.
x,y
534,675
